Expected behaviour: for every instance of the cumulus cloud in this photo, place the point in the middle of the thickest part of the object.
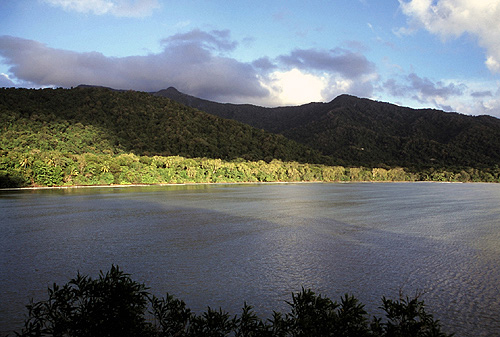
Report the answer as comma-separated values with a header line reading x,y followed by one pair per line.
x,y
345,62
452,18
484,102
306,75
485,93
428,89
198,63
480,105
5,81
187,62
424,90
293,87
469,97
264,63
362,86
124,8
218,40
297,86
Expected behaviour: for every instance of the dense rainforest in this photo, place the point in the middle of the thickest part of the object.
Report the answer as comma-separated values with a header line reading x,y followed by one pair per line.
x,y
100,136
362,132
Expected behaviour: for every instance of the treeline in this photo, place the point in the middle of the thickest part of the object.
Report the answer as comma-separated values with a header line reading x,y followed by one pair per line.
x,y
115,305
54,168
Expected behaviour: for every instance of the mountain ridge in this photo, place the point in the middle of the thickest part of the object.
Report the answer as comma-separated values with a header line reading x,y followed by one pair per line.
x,y
97,135
360,131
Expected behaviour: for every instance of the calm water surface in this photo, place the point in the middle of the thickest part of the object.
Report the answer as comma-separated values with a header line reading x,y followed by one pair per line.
x,y
221,245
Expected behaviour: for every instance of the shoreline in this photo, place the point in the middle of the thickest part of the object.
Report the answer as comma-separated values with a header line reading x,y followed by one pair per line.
x,y
164,184
232,183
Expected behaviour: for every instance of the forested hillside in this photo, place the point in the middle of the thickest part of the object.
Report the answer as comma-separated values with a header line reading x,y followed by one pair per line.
x,y
88,136
99,136
363,132
276,120
133,121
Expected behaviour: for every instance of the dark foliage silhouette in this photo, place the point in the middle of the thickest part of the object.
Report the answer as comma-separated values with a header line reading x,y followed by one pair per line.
x,y
115,305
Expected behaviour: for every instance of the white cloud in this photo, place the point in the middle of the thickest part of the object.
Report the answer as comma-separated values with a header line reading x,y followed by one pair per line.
x,y
484,99
484,106
5,81
429,93
493,64
471,97
424,89
298,86
307,75
452,18
124,8
293,87
98,7
361,86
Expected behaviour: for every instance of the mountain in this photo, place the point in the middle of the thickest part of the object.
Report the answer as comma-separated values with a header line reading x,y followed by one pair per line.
x,y
101,120
276,120
358,131
347,131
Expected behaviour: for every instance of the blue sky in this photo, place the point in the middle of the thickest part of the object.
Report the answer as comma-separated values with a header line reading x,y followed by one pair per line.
x,y
441,54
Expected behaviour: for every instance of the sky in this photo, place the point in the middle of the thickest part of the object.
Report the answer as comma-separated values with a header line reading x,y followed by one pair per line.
x,y
442,54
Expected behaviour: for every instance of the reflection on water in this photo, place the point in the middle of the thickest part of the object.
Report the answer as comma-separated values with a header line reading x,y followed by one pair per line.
x,y
221,245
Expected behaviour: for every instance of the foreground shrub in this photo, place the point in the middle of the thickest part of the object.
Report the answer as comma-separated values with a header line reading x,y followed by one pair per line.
x,y
115,305
112,305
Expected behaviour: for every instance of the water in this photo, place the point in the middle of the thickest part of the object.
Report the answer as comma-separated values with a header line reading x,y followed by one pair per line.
x,y
221,245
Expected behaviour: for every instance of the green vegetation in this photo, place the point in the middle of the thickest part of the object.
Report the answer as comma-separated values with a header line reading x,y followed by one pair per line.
x,y
362,132
115,305
55,168
97,136
100,120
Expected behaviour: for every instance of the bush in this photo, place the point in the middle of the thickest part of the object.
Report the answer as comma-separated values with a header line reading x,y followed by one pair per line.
x,y
112,305
47,175
115,305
